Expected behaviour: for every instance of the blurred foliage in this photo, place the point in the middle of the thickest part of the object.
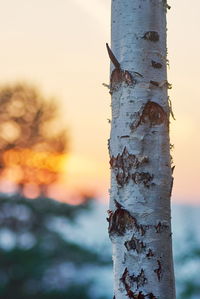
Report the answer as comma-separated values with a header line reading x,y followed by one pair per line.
x,y
36,260
32,143
39,260
187,265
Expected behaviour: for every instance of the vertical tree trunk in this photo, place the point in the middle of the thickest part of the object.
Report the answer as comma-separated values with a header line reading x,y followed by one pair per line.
x,y
141,173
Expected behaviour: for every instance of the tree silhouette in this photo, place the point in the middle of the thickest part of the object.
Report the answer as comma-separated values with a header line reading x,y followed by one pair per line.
x,y
32,145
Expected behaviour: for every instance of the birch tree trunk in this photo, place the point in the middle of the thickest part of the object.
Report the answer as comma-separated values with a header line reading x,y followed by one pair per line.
x,y
141,173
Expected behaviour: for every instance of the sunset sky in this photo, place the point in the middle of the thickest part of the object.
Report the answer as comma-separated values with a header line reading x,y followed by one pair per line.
x,y
59,46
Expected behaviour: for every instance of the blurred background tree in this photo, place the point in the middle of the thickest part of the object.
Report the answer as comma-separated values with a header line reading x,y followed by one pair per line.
x,y
32,145
37,260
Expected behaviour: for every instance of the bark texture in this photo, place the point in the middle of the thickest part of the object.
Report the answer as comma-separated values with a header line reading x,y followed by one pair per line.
x,y
141,173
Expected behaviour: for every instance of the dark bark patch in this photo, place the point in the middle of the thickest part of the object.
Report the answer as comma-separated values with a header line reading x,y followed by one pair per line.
x,y
155,83
140,279
120,221
161,84
153,114
149,254
125,136
130,280
156,65
158,271
144,178
135,244
119,76
160,227
152,36
126,280
123,164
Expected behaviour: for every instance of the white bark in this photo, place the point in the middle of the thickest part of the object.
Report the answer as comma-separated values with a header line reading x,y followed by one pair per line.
x,y
141,174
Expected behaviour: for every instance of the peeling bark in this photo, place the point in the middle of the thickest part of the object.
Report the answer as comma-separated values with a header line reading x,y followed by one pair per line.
x,y
170,108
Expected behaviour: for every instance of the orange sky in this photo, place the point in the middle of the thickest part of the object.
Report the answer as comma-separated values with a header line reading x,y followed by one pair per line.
x,y
59,45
